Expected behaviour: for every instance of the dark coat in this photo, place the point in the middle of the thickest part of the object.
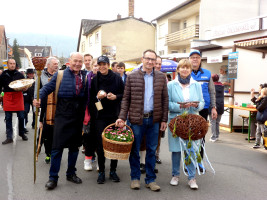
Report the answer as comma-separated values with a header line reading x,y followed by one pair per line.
x,y
219,89
133,98
261,106
7,77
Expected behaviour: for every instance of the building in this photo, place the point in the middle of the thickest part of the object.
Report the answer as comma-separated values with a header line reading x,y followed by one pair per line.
x,y
3,45
35,51
123,39
177,28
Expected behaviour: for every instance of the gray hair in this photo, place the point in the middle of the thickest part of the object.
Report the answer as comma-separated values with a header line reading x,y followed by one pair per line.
x,y
49,60
75,53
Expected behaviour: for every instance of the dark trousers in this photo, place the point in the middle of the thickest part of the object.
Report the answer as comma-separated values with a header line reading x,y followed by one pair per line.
x,y
100,125
9,128
47,138
27,107
56,156
89,139
203,113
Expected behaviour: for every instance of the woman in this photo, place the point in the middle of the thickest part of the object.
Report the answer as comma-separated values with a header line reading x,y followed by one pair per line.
x,y
183,89
88,127
107,89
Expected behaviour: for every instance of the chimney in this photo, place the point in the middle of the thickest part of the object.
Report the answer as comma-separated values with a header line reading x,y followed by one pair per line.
x,y
118,16
131,8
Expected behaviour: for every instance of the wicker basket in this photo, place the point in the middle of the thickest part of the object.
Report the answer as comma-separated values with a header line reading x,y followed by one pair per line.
x,y
21,84
116,150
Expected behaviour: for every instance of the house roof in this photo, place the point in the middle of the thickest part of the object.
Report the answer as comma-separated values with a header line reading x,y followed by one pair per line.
x,y
45,50
175,9
89,25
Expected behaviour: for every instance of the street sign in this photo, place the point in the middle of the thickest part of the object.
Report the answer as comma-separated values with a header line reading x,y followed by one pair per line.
x,y
232,65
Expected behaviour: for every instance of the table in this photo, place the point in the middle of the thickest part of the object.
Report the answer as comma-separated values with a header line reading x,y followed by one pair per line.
x,y
232,107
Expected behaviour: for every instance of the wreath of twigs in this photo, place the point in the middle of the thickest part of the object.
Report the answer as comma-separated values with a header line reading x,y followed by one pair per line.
x,y
189,125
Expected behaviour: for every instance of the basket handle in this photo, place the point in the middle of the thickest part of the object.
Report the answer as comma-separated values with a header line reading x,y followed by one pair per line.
x,y
115,124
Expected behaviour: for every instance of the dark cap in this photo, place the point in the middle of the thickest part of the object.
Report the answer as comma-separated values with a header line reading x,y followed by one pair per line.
x,y
102,59
195,52
29,71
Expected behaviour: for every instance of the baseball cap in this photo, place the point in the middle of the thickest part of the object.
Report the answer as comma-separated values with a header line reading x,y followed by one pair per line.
x,y
103,59
195,52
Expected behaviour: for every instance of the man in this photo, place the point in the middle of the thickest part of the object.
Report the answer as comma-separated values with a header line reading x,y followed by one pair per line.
x,y
28,98
145,101
203,76
47,134
114,66
158,63
70,107
121,71
88,62
12,101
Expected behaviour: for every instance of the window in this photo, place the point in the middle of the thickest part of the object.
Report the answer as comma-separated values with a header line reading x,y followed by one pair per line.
x,y
174,51
96,37
185,24
90,40
161,53
162,30
184,50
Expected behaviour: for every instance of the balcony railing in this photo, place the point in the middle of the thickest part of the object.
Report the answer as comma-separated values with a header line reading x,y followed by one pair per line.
x,y
185,34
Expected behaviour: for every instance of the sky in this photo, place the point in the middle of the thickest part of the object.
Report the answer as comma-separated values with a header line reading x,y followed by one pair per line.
x,y
60,17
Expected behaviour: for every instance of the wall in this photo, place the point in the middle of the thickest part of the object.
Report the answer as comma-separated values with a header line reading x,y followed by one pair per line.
x,y
131,37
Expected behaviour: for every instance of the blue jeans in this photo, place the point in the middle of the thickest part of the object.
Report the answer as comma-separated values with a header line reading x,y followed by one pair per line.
x,y
151,132
56,156
176,160
9,128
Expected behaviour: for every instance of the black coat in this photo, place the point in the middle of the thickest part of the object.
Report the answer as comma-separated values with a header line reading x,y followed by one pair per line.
x,y
7,77
261,106
219,99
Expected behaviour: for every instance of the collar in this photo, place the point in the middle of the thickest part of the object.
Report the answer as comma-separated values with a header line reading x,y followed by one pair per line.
x,y
192,81
79,73
152,73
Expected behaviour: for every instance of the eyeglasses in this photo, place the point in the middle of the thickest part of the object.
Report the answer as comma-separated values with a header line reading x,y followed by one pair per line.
x,y
195,57
148,59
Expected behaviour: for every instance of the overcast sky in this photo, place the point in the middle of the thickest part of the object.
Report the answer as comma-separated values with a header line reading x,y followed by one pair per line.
x,y
64,17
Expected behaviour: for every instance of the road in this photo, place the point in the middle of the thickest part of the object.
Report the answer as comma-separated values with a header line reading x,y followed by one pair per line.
x,y
240,174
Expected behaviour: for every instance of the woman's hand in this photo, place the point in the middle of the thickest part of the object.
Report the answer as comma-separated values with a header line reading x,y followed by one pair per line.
x,y
101,94
111,96
40,124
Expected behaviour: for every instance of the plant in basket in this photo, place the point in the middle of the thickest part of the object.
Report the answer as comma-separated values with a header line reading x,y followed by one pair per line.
x,y
119,134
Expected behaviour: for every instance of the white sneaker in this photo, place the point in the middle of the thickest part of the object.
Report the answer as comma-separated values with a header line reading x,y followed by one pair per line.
x,y
88,165
213,140
175,180
193,184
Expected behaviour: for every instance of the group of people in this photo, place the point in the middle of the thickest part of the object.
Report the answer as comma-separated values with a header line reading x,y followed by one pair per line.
x,y
89,100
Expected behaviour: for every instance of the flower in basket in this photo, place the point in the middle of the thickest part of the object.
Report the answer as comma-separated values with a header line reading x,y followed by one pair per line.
x,y
120,135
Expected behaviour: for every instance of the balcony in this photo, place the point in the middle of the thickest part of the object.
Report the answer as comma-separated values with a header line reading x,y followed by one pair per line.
x,y
182,37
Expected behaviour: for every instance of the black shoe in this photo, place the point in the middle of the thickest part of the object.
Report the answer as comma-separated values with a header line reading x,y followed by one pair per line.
x,y
158,161
101,178
7,141
252,138
114,177
142,168
50,185
156,170
24,137
74,178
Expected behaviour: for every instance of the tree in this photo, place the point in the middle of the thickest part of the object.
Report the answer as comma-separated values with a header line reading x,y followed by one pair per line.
x,y
16,52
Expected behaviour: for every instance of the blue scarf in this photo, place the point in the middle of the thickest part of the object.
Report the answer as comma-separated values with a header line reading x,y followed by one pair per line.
x,y
184,81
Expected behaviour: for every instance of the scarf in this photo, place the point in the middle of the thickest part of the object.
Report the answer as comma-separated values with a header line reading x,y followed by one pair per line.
x,y
184,81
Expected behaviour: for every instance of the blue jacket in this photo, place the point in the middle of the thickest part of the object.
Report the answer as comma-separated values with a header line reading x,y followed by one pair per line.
x,y
176,95
67,88
203,76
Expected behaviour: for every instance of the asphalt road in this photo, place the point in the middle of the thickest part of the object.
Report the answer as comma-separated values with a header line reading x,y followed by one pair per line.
x,y
240,174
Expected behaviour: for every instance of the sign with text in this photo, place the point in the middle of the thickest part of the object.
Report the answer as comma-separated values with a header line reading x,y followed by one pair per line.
x,y
216,59
232,65
234,29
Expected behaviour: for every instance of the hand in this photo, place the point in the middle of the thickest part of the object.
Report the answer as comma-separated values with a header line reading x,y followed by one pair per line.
x,y
111,96
195,105
186,105
120,123
163,126
40,124
101,94
213,113
36,103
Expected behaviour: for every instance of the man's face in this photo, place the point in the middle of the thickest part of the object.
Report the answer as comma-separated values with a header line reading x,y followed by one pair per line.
x,y
76,62
120,70
114,69
53,66
149,61
11,64
195,61
103,68
88,62
95,67
30,75
158,64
